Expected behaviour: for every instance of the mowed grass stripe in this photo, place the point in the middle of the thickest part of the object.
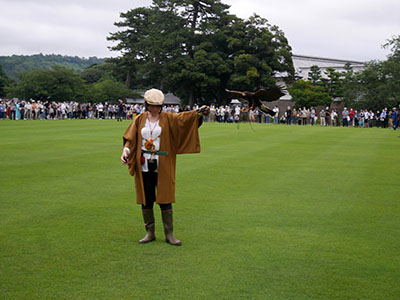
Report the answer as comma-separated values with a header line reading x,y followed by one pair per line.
x,y
281,212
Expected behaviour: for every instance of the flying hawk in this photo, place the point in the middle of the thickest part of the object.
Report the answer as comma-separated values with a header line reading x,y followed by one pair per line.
x,y
255,98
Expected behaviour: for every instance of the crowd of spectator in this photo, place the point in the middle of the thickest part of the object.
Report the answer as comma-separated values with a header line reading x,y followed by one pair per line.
x,y
309,116
386,118
52,110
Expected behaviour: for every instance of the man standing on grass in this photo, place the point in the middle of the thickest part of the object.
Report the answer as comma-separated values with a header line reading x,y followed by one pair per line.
x,y
276,116
395,117
2,109
312,115
351,115
322,117
120,111
345,117
288,115
237,114
327,116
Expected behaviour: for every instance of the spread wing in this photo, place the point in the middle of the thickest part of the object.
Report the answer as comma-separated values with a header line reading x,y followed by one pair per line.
x,y
235,94
270,94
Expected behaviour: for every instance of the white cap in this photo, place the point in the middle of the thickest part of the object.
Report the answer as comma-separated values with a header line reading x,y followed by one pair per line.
x,y
154,97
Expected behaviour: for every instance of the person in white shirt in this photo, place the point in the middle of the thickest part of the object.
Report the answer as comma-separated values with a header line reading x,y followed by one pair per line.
x,y
366,118
237,114
370,118
28,110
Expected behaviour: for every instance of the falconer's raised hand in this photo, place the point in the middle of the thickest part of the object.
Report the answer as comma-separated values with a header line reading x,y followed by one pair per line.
x,y
124,156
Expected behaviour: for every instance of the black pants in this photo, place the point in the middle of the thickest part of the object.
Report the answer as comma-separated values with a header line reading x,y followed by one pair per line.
x,y
119,116
149,185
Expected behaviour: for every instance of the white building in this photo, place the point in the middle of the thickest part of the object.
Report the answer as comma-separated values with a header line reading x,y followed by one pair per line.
x,y
303,63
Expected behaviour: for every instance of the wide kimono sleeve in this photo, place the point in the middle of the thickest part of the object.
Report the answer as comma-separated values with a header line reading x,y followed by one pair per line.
x,y
185,133
130,140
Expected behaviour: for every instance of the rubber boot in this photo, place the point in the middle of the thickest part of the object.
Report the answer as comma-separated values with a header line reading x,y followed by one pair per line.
x,y
148,217
168,228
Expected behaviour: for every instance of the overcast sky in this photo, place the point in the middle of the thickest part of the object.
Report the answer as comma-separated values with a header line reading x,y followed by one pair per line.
x,y
346,29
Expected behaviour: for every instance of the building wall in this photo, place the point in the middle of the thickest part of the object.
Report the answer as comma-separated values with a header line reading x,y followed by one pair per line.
x,y
303,64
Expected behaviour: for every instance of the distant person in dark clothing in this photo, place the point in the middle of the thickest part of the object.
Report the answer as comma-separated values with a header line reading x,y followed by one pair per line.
x,y
120,111
395,118
327,116
13,109
288,116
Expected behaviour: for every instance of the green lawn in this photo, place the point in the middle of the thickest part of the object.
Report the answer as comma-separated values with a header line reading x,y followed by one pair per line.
x,y
281,212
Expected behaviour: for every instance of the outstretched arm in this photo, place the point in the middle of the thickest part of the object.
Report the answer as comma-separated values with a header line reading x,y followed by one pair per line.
x,y
204,110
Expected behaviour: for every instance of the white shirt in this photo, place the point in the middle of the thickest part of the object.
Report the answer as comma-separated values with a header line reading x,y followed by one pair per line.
x,y
150,130
237,110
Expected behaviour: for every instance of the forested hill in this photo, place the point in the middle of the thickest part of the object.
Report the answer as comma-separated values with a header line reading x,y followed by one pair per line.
x,y
17,64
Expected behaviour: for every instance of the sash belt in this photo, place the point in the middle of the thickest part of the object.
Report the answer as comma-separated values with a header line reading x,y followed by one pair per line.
x,y
155,152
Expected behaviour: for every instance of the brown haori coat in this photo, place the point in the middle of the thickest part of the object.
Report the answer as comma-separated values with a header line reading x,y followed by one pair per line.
x,y
179,135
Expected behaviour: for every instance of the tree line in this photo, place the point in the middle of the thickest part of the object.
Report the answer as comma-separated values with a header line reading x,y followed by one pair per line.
x,y
15,65
58,83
